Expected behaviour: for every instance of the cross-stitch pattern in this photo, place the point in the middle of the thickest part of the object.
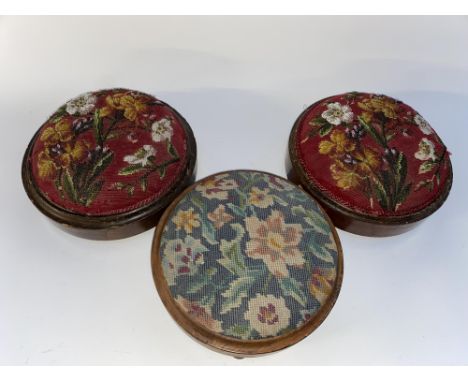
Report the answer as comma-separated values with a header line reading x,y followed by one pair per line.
x,y
372,154
248,255
108,152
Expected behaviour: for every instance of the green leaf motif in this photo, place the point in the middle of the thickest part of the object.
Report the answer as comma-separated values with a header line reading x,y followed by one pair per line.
x,y
238,211
237,290
426,167
238,330
313,218
321,251
162,172
196,285
381,194
93,191
404,193
98,128
209,233
373,133
101,165
233,259
171,149
401,170
69,187
325,130
144,183
292,287
131,169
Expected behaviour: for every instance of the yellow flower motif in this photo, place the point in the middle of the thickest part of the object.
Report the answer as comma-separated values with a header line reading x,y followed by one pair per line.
x,y
59,156
188,220
379,105
368,160
321,283
61,131
131,105
346,177
338,144
260,198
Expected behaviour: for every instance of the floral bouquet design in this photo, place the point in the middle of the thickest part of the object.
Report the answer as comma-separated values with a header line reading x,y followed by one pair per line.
x,y
368,139
94,133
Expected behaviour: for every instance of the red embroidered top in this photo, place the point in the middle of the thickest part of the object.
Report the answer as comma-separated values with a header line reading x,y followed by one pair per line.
x,y
109,152
371,154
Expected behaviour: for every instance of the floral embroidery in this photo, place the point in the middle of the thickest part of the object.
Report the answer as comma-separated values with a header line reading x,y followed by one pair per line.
x,y
322,283
187,220
426,150
219,217
142,156
217,187
130,103
378,104
98,133
82,105
338,144
161,130
245,268
367,141
336,114
183,257
274,242
260,198
199,314
423,125
267,315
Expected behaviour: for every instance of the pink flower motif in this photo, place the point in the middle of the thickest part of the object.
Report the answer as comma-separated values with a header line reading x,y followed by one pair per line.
x,y
275,242
200,314
219,217
217,187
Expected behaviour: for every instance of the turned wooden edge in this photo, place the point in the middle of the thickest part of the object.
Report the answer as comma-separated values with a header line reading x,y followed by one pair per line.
x,y
346,219
117,226
226,345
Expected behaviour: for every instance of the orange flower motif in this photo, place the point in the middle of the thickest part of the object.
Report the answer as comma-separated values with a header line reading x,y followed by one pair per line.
x,y
60,155
384,105
219,217
321,283
368,160
345,176
131,105
187,220
275,242
338,144
60,131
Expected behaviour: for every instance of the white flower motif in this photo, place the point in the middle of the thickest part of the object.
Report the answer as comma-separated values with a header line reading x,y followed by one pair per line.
x,y
423,124
141,156
161,130
426,150
83,104
268,315
337,114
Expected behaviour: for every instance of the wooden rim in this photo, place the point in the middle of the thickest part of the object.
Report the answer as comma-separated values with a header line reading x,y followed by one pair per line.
x,y
224,344
85,222
339,208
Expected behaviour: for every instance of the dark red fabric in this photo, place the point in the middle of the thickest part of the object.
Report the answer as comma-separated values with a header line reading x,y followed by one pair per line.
x,y
325,165
58,158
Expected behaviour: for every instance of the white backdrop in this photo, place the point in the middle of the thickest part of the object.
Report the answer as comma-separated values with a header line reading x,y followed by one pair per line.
x,y
240,82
